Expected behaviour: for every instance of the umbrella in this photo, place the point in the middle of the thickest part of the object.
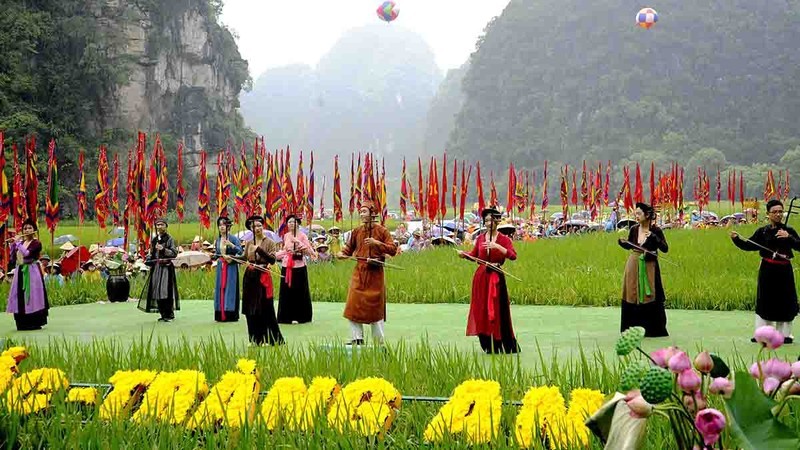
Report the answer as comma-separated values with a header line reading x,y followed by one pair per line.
x,y
317,227
63,239
451,225
443,241
118,231
191,259
110,250
507,228
273,236
245,235
116,242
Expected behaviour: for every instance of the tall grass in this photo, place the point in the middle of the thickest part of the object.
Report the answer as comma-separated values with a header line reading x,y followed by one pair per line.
x,y
415,369
705,272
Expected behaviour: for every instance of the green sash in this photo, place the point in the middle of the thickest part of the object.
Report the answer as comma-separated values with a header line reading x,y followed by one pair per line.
x,y
25,271
644,283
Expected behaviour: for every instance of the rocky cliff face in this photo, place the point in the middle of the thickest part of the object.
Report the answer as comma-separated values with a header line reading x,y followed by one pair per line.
x,y
184,70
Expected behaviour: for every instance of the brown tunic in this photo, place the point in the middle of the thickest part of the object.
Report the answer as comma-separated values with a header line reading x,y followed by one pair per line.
x,y
366,298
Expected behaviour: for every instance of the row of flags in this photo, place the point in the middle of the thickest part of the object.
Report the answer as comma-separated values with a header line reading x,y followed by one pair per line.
x,y
271,188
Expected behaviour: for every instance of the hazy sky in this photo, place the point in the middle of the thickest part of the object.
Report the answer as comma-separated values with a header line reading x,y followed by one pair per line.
x,y
279,32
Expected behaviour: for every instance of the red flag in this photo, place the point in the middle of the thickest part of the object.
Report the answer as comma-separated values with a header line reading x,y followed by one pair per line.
x,y
574,188
607,184
545,198
52,208
786,191
455,182
638,195
115,192
352,205
203,194
512,189
179,202
433,190
719,185
310,194
741,189
101,196
464,184
421,197
337,188
653,200
584,188
564,191
479,185
443,204
626,188
5,199
20,210
403,192
31,181
769,187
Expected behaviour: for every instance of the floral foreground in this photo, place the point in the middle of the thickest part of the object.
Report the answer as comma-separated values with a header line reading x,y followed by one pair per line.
x,y
365,407
669,384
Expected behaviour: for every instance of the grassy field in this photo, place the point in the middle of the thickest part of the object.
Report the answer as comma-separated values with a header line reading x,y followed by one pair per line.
x,y
705,271
428,355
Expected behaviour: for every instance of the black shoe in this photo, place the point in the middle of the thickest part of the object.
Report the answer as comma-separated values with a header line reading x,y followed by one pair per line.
x,y
752,339
356,342
788,340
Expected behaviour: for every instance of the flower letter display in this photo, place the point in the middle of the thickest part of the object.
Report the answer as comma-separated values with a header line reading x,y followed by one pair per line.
x,y
474,409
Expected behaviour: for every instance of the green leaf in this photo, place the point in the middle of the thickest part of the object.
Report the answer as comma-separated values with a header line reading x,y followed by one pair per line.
x,y
720,368
751,419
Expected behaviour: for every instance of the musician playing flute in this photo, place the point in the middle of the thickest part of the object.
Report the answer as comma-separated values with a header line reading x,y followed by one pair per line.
x,y
162,287
490,307
369,244
27,298
643,299
776,296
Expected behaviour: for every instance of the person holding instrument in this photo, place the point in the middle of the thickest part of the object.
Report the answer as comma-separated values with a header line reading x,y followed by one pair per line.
x,y
262,326
226,287
490,308
642,291
369,244
776,296
294,301
27,299
162,286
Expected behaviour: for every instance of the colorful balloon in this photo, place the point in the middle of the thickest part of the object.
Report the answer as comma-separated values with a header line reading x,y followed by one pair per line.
x,y
646,18
388,11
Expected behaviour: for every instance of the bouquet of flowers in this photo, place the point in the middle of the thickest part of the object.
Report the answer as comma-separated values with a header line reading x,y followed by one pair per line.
x,y
667,383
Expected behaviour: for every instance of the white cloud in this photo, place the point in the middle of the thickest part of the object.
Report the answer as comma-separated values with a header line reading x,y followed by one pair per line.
x,y
279,32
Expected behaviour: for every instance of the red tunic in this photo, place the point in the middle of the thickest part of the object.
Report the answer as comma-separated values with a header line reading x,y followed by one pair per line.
x,y
487,289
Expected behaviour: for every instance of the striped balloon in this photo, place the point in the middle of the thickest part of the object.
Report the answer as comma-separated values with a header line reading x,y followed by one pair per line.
x,y
388,11
646,18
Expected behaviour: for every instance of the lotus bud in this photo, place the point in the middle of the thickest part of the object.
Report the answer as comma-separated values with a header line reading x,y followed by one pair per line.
x,y
703,362
689,381
695,402
710,423
721,386
768,337
776,368
770,384
679,362
639,407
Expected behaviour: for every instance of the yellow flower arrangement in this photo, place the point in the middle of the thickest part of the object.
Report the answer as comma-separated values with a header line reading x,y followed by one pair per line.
x,y
31,392
8,368
544,414
291,405
171,396
87,396
18,353
231,400
474,409
128,385
367,406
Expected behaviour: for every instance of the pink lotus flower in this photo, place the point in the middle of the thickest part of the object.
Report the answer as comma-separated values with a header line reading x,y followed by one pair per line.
x,y
796,369
776,368
689,380
721,386
754,371
662,356
639,407
679,362
770,385
695,402
703,362
769,337
710,423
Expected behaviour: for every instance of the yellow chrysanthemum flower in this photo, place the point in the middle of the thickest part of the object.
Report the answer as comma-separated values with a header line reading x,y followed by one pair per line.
x,y
474,409
87,396
366,406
